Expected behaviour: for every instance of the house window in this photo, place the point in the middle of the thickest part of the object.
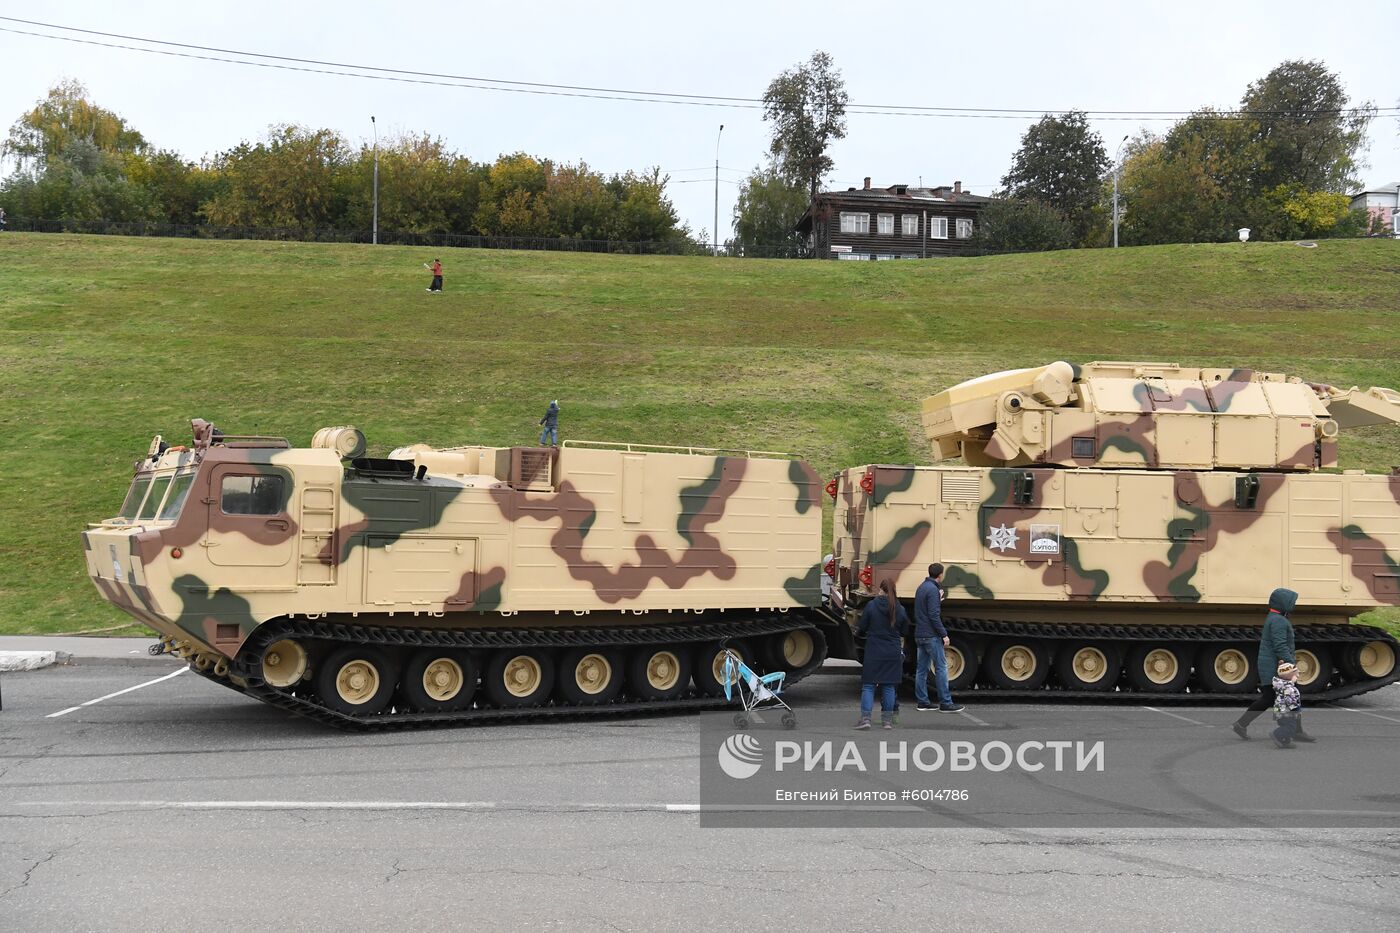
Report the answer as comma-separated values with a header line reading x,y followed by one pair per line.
x,y
853,256
855,223
911,224
964,228
886,225
938,228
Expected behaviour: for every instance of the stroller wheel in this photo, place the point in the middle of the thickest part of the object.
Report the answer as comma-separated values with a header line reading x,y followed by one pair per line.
x,y
741,721
789,720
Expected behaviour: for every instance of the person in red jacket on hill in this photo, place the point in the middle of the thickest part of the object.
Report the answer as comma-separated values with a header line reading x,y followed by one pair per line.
x,y
436,269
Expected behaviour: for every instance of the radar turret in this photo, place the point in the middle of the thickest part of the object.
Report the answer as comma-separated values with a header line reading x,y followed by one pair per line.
x,y
1148,415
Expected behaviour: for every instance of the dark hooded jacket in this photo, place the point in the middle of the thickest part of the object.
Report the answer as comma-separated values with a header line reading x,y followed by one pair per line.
x,y
551,416
1276,641
883,661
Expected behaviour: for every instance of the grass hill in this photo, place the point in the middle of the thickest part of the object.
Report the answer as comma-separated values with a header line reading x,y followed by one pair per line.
x,y
105,341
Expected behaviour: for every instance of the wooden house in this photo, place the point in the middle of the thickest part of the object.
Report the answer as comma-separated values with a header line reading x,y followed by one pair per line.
x,y
898,222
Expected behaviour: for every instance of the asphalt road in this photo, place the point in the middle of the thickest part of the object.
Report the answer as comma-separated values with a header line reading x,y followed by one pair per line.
x,y
179,805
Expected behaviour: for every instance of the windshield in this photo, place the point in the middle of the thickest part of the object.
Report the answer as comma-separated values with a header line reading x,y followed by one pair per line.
x,y
134,495
148,511
175,501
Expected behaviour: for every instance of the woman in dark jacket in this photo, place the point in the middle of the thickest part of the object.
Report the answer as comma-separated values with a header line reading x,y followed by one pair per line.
x,y
882,625
1275,645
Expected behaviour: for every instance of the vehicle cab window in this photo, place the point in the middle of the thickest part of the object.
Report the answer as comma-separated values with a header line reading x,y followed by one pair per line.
x,y
131,506
251,495
158,487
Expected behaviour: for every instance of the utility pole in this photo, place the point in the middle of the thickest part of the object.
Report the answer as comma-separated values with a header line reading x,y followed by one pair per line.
x,y
375,235
1117,166
716,233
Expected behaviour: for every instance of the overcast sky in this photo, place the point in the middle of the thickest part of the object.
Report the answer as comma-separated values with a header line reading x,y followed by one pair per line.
x,y
1041,56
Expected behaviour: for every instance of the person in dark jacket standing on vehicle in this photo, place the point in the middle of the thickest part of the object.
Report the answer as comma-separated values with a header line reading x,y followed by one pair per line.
x,y
931,638
1275,647
882,625
550,421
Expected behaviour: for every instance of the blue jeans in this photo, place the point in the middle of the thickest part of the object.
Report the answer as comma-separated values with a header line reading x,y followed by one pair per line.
x,y
931,649
551,432
867,699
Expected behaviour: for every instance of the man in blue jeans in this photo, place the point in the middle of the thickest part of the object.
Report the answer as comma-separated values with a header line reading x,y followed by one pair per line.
x,y
932,638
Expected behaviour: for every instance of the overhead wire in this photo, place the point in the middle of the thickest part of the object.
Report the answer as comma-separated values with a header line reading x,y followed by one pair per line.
x,y
401,75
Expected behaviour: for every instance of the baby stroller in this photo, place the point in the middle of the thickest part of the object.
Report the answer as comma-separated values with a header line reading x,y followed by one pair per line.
x,y
757,692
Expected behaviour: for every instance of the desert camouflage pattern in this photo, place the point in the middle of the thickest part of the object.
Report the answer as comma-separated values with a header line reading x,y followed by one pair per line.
x,y
228,533
1129,489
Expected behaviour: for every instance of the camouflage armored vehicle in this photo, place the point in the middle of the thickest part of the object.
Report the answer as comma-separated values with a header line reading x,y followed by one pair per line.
x,y
1119,526
466,583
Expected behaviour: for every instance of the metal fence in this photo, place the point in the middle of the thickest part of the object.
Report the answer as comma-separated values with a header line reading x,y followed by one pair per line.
x,y
390,237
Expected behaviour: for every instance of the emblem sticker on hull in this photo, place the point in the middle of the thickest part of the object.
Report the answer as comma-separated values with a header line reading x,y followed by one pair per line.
x,y
1002,538
1045,539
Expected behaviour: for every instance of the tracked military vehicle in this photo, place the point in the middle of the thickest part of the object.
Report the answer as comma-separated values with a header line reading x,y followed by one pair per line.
x,y
1119,527
468,583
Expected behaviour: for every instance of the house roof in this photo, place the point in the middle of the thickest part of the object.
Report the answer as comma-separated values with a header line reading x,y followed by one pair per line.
x,y
942,194
886,197
1379,189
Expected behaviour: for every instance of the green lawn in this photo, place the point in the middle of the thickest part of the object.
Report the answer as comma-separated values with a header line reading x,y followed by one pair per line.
x,y
105,341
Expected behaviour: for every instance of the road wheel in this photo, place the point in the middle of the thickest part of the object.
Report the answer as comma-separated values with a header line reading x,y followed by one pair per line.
x,y
962,663
1369,660
658,672
1228,669
1314,668
589,675
436,680
1088,665
708,666
1158,668
356,679
789,651
284,663
519,677
1016,664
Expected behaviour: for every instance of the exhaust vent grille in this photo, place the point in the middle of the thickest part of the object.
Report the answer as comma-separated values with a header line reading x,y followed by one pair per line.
x,y
961,487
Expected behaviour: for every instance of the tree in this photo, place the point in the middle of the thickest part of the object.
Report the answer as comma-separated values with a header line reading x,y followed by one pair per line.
x,y
64,116
765,214
177,189
512,197
807,106
1308,132
424,187
643,212
1168,195
297,178
1061,163
1006,225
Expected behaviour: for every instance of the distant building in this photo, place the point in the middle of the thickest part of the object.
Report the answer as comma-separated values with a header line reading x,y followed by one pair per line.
x,y
1382,202
898,222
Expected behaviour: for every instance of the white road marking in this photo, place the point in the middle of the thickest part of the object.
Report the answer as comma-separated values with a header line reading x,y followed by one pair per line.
x,y
1194,722
357,805
1365,712
65,712
972,717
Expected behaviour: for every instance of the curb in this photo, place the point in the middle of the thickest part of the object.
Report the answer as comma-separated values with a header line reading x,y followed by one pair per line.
x,y
13,661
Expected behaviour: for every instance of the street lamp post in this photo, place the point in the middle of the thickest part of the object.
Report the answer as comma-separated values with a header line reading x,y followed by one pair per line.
x,y
375,235
1117,166
716,233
